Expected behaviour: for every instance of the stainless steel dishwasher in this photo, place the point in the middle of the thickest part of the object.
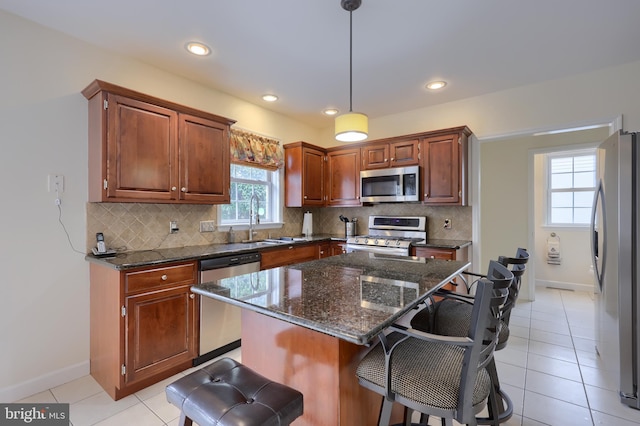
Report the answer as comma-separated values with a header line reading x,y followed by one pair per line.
x,y
219,321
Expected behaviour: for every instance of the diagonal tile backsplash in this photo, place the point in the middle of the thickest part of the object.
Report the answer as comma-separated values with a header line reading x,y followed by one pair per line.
x,y
140,226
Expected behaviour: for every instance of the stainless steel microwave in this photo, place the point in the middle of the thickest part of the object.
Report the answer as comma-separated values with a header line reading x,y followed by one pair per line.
x,y
390,185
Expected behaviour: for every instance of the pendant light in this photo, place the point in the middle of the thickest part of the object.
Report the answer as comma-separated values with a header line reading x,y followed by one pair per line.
x,y
352,126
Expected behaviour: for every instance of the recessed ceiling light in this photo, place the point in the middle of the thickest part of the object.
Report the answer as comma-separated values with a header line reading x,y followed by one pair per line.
x,y
435,85
197,48
330,111
269,98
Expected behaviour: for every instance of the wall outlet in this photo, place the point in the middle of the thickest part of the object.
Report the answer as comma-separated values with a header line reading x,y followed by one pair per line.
x,y
55,183
207,225
447,224
173,226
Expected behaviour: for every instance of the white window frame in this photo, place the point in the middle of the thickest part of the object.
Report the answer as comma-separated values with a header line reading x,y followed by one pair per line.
x,y
276,181
565,154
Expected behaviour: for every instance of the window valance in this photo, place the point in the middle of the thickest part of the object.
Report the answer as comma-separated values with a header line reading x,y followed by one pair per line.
x,y
255,150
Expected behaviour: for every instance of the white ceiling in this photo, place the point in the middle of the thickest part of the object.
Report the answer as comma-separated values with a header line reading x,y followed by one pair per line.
x,y
299,49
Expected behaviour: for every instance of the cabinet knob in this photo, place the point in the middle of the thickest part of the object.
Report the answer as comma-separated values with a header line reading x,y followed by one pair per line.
x,y
164,277
385,160
305,197
192,296
392,158
432,257
173,188
184,189
321,251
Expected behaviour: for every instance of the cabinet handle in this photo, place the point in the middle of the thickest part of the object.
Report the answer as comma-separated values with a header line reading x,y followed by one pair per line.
x,y
184,189
432,257
321,252
192,296
164,277
385,160
290,247
173,188
305,197
392,158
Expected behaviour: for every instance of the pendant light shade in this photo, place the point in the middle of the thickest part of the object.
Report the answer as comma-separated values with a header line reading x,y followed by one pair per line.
x,y
352,126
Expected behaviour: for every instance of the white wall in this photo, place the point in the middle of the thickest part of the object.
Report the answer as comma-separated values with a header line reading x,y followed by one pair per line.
x,y
43,126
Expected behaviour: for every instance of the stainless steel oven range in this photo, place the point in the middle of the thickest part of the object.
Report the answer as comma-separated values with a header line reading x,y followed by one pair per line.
x,y
390,235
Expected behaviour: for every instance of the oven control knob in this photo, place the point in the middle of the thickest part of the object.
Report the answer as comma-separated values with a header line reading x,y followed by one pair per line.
x,y
386,243
375,242
366,240
398,242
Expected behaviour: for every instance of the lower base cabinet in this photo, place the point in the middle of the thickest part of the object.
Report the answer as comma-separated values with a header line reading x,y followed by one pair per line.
x,y
444,254
143,325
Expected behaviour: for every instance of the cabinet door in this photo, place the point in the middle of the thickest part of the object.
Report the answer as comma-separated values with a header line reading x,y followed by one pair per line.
x,y
204,160
312,177
324,250
343,177
338,248
141,150
375,157
161,332
441,167
404,153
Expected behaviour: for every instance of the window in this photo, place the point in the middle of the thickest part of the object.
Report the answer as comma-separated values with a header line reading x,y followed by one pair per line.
x,y
246,181
571,185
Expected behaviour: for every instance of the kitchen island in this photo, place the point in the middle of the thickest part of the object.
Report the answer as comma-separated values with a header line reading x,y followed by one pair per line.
x,y
308,325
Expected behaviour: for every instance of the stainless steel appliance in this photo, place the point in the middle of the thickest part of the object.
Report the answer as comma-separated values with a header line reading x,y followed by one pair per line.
x,y
390,235
219,321
615,250
394,184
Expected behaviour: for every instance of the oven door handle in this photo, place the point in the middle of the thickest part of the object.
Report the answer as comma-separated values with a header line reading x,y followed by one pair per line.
x,y
373,249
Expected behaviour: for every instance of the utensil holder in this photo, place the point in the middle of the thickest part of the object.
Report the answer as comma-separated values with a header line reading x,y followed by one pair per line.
x,y
350,229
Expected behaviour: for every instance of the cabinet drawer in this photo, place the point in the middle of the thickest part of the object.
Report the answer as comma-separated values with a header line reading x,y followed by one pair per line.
x,y
147,279
288,255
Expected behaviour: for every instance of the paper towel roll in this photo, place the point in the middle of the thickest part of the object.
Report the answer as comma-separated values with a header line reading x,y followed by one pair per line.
x,y
307,224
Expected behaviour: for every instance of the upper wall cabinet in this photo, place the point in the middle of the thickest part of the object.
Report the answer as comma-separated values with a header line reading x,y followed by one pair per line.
x,y
304,175
343,177
144,149
443,157
390,154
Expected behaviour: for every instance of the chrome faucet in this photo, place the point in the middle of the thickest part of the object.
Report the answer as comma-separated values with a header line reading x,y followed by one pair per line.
x,y
253,213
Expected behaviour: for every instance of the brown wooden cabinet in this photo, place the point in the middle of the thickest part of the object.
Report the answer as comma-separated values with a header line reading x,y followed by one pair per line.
x,y
444,167
304,175
324,249
145,149
288,254
343,177
392,154
338,247
143,325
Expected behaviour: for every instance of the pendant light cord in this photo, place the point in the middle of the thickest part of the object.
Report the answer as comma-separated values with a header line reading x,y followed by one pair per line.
x,y
350,61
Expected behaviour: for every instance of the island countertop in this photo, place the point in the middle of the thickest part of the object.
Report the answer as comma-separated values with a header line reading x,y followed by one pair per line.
x,y
352,297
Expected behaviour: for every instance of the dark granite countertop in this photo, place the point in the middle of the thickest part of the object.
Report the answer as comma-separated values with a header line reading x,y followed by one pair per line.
x,y
447,244
135,259
352,296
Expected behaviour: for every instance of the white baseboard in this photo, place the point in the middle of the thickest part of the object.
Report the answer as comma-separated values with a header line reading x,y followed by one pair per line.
x,y
42,383
565,285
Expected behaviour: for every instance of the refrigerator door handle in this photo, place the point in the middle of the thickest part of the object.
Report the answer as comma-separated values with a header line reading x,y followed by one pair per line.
x,y
595,237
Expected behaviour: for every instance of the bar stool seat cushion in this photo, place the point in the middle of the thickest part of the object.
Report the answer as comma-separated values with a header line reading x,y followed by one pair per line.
x,y
227,393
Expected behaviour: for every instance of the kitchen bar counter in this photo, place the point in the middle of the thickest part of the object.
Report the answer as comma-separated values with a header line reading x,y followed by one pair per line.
x,y
352,297
444,244
309,325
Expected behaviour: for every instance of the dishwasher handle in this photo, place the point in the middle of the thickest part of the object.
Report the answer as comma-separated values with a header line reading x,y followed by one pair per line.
x,y
229,260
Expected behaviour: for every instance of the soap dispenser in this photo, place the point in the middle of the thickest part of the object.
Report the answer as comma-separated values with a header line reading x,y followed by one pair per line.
x,y
231,236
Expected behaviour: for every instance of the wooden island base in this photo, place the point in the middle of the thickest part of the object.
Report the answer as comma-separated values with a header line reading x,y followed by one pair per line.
x,y
320,366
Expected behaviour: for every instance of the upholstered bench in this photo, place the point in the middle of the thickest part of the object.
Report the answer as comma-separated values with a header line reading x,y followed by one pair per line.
x,y
226,393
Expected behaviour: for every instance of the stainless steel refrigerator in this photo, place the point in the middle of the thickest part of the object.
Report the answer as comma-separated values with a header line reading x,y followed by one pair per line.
x,y
615,248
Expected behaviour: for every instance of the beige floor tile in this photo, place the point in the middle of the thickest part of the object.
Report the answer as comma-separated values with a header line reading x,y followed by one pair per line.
x,y
77,390
608,402
511,356
162,408
157,388
511,374
549,337
558,327
137,415
552,351
551,411
39,398
556,387
554,367
602,419
98,407
599,378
